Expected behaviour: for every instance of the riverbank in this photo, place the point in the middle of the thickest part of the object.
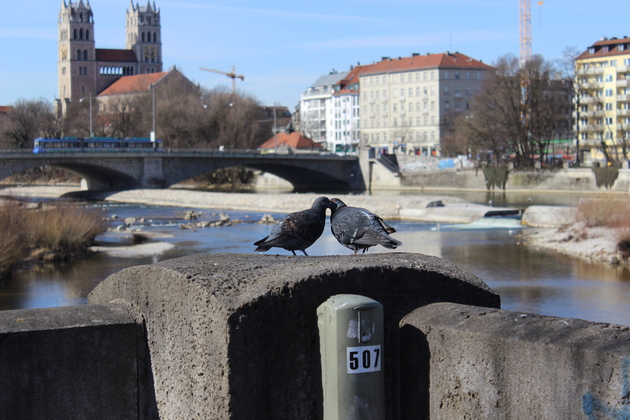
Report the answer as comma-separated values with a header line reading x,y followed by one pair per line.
x,y
567,237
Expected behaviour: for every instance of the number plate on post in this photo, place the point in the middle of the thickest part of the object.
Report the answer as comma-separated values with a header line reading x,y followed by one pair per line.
x,y
363,359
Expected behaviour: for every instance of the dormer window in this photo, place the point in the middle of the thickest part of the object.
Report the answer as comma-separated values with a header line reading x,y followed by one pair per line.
x,y
591,50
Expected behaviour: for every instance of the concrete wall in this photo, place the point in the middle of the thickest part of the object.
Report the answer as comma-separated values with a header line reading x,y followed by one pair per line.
x,y
235,335
460,362
83,362
574,180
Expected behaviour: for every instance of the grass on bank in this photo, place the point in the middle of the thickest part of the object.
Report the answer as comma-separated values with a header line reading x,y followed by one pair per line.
x,y
611,214
56,232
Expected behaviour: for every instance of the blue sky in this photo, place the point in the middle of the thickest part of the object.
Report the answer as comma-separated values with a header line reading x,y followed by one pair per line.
x,y
281,47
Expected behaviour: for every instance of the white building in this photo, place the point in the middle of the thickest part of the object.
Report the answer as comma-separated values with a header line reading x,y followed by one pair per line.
x,y
316,107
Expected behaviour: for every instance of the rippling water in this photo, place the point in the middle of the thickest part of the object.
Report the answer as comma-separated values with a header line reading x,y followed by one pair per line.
x,y
527,279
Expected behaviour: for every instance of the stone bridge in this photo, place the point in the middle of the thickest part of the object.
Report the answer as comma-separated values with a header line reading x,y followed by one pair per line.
x,y
124,171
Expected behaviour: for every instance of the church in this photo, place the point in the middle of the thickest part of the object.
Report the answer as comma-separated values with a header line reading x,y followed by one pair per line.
x,y
86,71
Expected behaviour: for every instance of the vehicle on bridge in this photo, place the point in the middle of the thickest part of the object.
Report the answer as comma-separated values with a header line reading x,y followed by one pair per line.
x,y
96,144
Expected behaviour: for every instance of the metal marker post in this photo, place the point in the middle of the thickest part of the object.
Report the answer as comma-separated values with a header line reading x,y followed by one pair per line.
x,y
351,347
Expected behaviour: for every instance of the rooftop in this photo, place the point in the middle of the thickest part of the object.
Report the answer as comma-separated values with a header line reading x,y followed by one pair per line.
x,y
607,47
133,84
446,60
116,55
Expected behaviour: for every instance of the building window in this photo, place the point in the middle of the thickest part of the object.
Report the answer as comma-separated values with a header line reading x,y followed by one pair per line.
x,y
446,75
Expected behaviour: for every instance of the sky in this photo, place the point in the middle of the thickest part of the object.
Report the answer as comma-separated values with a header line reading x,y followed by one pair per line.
x,y
282,47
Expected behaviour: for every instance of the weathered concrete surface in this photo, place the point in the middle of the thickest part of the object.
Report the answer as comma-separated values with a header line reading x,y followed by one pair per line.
x,y
465,362
235,335
549,216
82,362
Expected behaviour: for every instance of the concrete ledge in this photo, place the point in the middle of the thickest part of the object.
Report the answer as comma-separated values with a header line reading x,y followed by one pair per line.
x,y
468,362
454,212
548,216
82,362
235,335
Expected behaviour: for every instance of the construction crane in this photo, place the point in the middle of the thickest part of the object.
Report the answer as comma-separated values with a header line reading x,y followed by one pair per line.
x,y
526,31
232,75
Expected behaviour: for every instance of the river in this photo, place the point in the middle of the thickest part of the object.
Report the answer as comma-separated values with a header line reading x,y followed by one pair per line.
x,y
528,280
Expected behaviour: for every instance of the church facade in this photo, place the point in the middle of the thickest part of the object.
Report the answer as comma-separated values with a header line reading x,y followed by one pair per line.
x,y
86,71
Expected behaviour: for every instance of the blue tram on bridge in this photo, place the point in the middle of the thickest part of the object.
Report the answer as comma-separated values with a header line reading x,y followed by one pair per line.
x,y
97,144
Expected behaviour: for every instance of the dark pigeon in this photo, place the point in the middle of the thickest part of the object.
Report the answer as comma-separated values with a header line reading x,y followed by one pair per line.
x,y
358,229
299,230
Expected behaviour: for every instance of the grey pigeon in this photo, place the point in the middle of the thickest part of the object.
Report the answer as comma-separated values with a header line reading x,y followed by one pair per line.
x,y
299,230
358,229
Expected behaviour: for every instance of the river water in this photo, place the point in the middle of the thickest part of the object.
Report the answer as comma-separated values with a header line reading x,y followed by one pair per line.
x,y
527,279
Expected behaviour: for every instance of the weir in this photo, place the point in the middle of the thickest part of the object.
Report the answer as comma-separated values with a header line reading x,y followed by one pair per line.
x,y
235,336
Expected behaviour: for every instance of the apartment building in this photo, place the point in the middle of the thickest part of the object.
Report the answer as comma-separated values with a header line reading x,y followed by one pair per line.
x,y
408,104
344,132
316,107
603,110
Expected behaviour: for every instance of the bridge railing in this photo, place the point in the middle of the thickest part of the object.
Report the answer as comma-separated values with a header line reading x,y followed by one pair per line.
x,y
195,150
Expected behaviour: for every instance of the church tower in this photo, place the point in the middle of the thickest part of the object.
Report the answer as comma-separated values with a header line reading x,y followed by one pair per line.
x,y
77,53
144,36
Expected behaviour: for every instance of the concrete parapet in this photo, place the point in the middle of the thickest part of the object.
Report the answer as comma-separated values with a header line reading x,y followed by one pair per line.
x,y
235,335
462,361
82,362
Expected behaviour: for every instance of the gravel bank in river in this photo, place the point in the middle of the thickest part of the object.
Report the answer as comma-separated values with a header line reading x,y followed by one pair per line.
x,y
385,206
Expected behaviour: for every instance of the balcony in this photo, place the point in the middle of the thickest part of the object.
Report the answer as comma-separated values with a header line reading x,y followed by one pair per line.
x,y
623,98
425,97
591,127
402,98
622,83
591,71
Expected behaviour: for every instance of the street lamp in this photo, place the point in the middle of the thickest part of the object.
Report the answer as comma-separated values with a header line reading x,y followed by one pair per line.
x,y
91,130
153,106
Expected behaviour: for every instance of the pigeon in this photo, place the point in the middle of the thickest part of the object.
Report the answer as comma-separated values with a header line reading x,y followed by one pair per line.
x,y
299,230
358,229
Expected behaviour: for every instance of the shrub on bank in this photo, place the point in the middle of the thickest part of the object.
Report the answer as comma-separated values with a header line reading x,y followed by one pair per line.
x,y
604,213
56,232
13,245
612,214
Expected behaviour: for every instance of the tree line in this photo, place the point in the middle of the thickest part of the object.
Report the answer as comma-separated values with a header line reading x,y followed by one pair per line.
x,y
184,117
518,114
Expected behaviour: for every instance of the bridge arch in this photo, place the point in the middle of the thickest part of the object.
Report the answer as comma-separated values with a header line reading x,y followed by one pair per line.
x,y
97,176
304,176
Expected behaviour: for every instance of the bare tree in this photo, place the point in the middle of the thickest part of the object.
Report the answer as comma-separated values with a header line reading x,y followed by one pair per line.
x,y
27,121
520,110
